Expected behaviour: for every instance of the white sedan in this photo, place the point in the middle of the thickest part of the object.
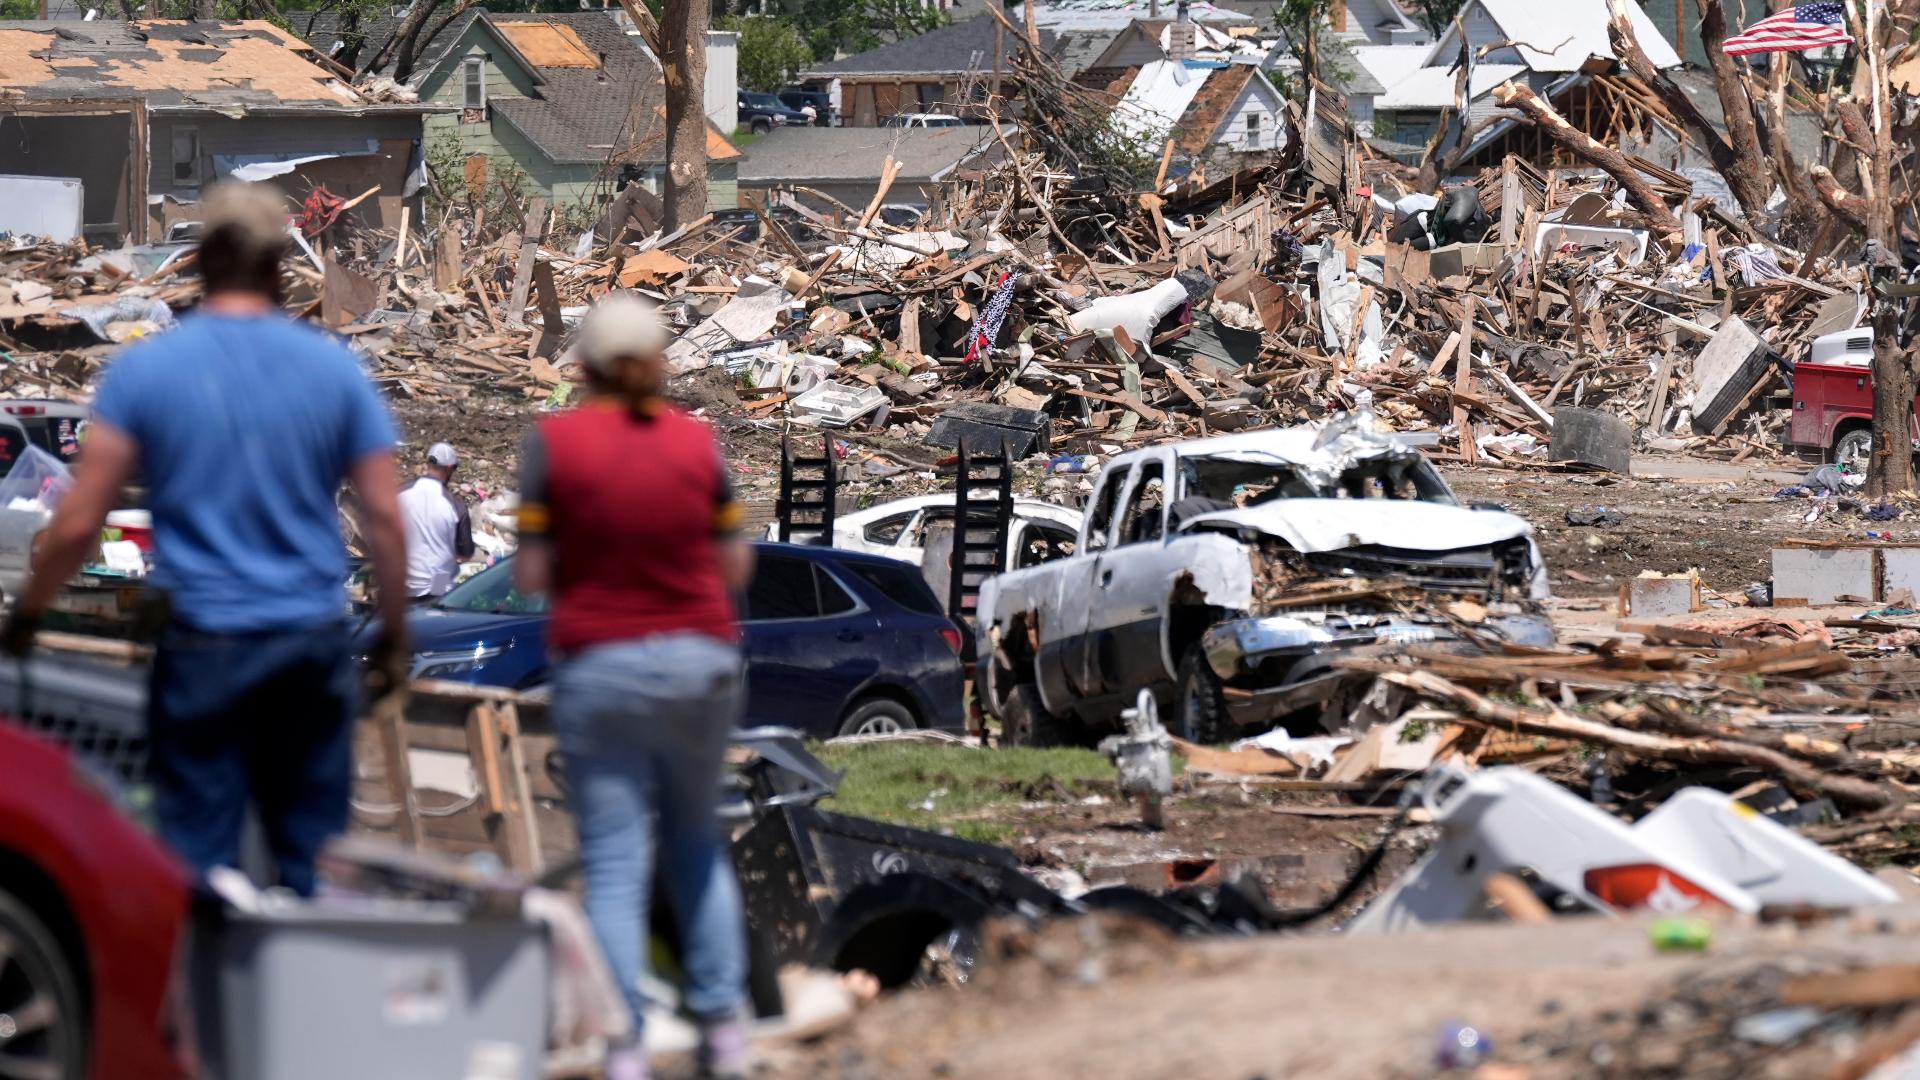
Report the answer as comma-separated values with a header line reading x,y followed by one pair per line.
x,y
1041,531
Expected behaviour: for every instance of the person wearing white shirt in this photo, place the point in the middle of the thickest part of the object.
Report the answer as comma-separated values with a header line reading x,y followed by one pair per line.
x,y
439,531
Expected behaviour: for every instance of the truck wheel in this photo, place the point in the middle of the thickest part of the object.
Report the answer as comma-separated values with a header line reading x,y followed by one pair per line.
x,y
1025,721
42,1031
1200,713
1854,449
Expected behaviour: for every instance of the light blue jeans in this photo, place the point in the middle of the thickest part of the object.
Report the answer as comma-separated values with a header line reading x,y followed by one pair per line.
x,y
643,726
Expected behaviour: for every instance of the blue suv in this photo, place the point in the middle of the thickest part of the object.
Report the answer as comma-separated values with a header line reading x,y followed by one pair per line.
x,y
836,642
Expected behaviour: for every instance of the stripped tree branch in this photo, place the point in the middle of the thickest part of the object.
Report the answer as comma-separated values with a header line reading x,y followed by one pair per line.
x,y
1586,148
1851,208
1749,186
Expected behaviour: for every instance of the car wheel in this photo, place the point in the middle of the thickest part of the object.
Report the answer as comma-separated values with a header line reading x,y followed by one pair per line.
x,y
760,127
878,716
1200,713
1854,449
1025,721
42,1031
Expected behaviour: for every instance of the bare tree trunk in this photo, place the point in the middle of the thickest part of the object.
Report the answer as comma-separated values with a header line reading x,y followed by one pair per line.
x,y
202,9
1803,203
1750,184
684,65
1627,47
402,43
1584,146
1853,153
1890,469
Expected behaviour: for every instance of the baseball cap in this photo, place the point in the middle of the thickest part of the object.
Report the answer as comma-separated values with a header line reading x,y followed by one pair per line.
x,y
253,215
442,454
621,324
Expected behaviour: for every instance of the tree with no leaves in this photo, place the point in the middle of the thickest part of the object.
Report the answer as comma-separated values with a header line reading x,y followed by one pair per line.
x,y
683,63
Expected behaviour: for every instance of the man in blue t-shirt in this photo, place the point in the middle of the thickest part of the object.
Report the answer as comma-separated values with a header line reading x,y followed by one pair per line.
x,y
243,423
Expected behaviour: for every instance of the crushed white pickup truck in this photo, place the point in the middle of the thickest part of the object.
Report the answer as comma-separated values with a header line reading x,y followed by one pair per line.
x,y
1226,574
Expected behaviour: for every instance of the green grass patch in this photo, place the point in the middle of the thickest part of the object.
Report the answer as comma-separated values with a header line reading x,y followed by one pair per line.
x,y
954,789
745,137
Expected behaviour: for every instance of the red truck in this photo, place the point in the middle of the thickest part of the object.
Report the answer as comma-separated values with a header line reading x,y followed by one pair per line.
x,y
1833,400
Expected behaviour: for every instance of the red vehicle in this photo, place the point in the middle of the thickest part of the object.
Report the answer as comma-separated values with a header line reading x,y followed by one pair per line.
x,y
1833,399
1833,413
91,916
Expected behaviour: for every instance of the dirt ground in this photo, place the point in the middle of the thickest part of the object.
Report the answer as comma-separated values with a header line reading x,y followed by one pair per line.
x,y
1678,514
1568,998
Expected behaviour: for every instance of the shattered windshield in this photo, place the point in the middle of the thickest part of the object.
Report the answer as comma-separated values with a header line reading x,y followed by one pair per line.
x,y
1249,479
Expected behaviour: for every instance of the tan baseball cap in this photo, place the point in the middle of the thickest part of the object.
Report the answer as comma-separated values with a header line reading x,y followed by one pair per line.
x,y
254,214
621,324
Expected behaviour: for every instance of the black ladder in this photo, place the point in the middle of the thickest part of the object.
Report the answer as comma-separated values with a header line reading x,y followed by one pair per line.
x,y
982,518
805,506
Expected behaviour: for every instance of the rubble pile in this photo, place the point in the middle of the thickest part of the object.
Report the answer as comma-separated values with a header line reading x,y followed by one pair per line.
x,y
1047,299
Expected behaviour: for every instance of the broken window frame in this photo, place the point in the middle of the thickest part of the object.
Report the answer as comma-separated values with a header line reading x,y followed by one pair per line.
x,y
1428,485
473,82
194,177
1104,506
884,530
1144,475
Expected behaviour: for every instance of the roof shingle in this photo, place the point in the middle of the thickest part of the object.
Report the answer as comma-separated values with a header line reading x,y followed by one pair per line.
x,y
958,49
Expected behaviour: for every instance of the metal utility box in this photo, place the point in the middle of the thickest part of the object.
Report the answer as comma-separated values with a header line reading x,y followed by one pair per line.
x,y
403,991
1813,572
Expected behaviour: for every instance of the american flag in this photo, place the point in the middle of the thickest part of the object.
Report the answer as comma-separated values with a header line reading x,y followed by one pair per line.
x,y
986,325
1809,26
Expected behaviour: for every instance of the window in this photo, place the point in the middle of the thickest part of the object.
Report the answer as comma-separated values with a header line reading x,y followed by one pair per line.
x,y
491,592
785,587
1254,120
1105,502
1043,543
888,529
186,156
782,588
901,584
1146,511
834,598
474,79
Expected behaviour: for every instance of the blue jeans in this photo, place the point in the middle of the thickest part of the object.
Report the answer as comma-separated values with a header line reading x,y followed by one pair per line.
x,y
643,727
263,717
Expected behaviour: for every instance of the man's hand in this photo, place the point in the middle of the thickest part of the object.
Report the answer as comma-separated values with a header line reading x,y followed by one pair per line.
x,y
390,661
16,636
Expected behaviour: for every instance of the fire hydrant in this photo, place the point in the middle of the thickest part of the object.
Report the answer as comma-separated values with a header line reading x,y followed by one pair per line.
x,y
1144,758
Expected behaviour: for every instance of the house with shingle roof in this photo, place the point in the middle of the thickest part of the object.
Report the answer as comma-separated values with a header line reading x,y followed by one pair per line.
x,y
570,100
844,164
951,70
145,114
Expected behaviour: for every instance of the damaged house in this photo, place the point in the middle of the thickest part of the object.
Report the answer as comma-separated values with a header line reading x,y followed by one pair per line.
x,y
111,130
945,70
1214,111
1401,95
845,164
566,101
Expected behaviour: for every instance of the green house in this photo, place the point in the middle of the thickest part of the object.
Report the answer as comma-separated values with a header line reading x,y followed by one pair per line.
x,y
567,99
